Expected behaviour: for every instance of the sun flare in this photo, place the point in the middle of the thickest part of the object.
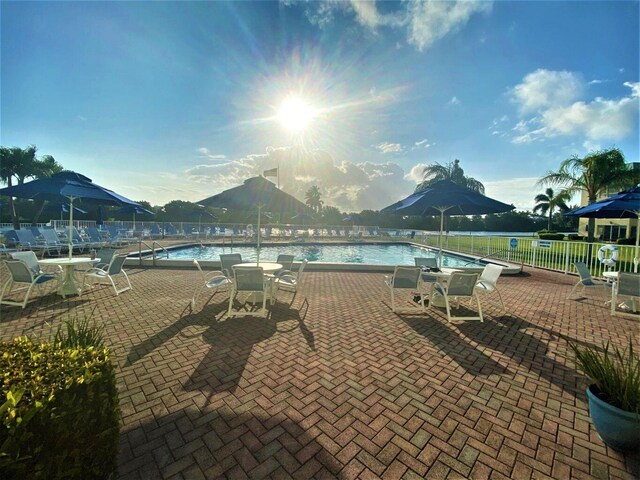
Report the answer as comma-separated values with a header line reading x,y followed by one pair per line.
x,y
295,114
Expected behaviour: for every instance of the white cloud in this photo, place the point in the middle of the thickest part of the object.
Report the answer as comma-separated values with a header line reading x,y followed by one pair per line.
x,y
343,184
422,144
517,191
204,151
389,148
454,101
425,21
430,21
416,174
553,98
544,88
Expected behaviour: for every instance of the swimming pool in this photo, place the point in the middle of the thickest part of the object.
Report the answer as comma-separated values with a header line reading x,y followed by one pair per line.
x,y
359,253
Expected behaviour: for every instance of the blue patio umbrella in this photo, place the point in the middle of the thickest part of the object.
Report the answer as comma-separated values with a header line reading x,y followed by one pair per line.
x,y
446,196
67,186
625,204
135,210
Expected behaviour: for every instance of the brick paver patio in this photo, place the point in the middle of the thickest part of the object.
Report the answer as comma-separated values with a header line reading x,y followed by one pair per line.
x,y
335,385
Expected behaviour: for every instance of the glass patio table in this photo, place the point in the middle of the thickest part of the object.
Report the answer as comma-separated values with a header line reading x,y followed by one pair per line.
x,y
67,285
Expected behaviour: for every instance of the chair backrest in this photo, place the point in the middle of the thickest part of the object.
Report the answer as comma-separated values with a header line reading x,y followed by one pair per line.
x,y
11,237
76,235
285,261
105,254
26,237
94,234
301,269
584,273
248,279
629,284
490,274
227,261
462,284
50,236
19,271
35,231
115,266
430,262
406,277
29,258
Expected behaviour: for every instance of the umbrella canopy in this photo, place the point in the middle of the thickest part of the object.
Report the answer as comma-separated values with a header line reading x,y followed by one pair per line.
x,y
625,204
67,186
446,196
256,192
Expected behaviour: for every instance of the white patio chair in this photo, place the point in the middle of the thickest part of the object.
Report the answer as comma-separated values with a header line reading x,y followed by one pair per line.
x,y
286,261
29,257
459,285
227,261
405,278
249,280
212,280
288,280
488,284
21,273
627,285
586,281
426,264
114,269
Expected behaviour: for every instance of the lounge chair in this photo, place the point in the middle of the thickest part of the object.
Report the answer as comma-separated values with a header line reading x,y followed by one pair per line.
x,y
288,280
95,236
21,273
114,269
405,278
586,281
81,243
459,285
488,284
249,280
51,239
6,251
212,281
24,240
627,285
227,261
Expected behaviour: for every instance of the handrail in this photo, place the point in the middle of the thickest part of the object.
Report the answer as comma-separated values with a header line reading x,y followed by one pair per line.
x,y
151,247
487,256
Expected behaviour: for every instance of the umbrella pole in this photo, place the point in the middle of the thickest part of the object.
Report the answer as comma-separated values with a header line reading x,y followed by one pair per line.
x,y
441,229
134,221
70,227
258,238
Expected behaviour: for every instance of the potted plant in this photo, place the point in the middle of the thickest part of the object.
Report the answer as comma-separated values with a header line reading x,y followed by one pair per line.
x,y
614,397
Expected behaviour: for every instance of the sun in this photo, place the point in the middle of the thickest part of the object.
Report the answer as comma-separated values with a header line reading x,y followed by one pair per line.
x,y
295,114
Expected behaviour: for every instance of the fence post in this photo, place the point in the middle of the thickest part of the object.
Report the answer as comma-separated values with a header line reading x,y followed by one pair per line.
x,y
140,253
566,257
472,251
488,246
535,251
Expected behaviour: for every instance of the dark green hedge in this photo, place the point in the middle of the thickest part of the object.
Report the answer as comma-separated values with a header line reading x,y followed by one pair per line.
x,y
551,236
61,417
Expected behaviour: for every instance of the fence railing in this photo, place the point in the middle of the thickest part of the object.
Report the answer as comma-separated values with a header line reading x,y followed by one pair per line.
x,y
557,255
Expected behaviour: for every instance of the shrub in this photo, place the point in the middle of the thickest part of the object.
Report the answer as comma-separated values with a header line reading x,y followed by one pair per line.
x,y
616,374
551,236
61,415
626,241
574,237
77,332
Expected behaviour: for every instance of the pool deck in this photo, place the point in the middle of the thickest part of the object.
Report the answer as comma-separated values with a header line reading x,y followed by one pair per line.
x,y
333,384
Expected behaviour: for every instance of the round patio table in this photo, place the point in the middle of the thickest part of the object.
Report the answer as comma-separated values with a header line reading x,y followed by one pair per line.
x,y
67,285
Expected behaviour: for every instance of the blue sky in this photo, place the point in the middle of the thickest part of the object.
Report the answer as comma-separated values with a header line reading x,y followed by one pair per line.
x,y
180,100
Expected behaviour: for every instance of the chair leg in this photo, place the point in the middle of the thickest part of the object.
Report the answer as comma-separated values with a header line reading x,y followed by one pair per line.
x,y
479,307
231,298
393,302
26,296
446,304
4,289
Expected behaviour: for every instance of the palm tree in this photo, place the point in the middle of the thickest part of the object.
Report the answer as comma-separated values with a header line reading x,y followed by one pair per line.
x,y
312,198
593,174
23,164
451,171
548,202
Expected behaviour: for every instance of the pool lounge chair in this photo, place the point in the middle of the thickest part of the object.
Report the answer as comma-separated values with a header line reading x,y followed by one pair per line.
x,y
50,239
212,281
586,281
249,280
405,278
627,285
459,285
20,273
24,240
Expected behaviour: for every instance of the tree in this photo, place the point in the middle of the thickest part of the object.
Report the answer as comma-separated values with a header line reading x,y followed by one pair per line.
x,y
22,164
593,174
312,198
451,171
547,202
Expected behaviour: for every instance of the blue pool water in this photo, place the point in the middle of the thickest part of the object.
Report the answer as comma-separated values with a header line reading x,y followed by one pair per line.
x,y
373,254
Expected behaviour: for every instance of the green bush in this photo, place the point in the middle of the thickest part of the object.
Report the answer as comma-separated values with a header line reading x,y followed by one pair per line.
x,y
61,416
551,236
574,237
626,241
616,374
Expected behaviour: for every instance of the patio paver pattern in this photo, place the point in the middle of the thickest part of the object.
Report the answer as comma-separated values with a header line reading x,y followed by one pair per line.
x,y
334,385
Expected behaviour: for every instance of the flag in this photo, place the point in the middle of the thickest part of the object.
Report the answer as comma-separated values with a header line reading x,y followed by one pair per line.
x,y
272,172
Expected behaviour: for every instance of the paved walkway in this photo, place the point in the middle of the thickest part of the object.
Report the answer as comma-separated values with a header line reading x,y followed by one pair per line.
x,y
335,385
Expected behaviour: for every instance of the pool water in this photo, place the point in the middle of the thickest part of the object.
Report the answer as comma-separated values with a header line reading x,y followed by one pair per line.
x,y
372,254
